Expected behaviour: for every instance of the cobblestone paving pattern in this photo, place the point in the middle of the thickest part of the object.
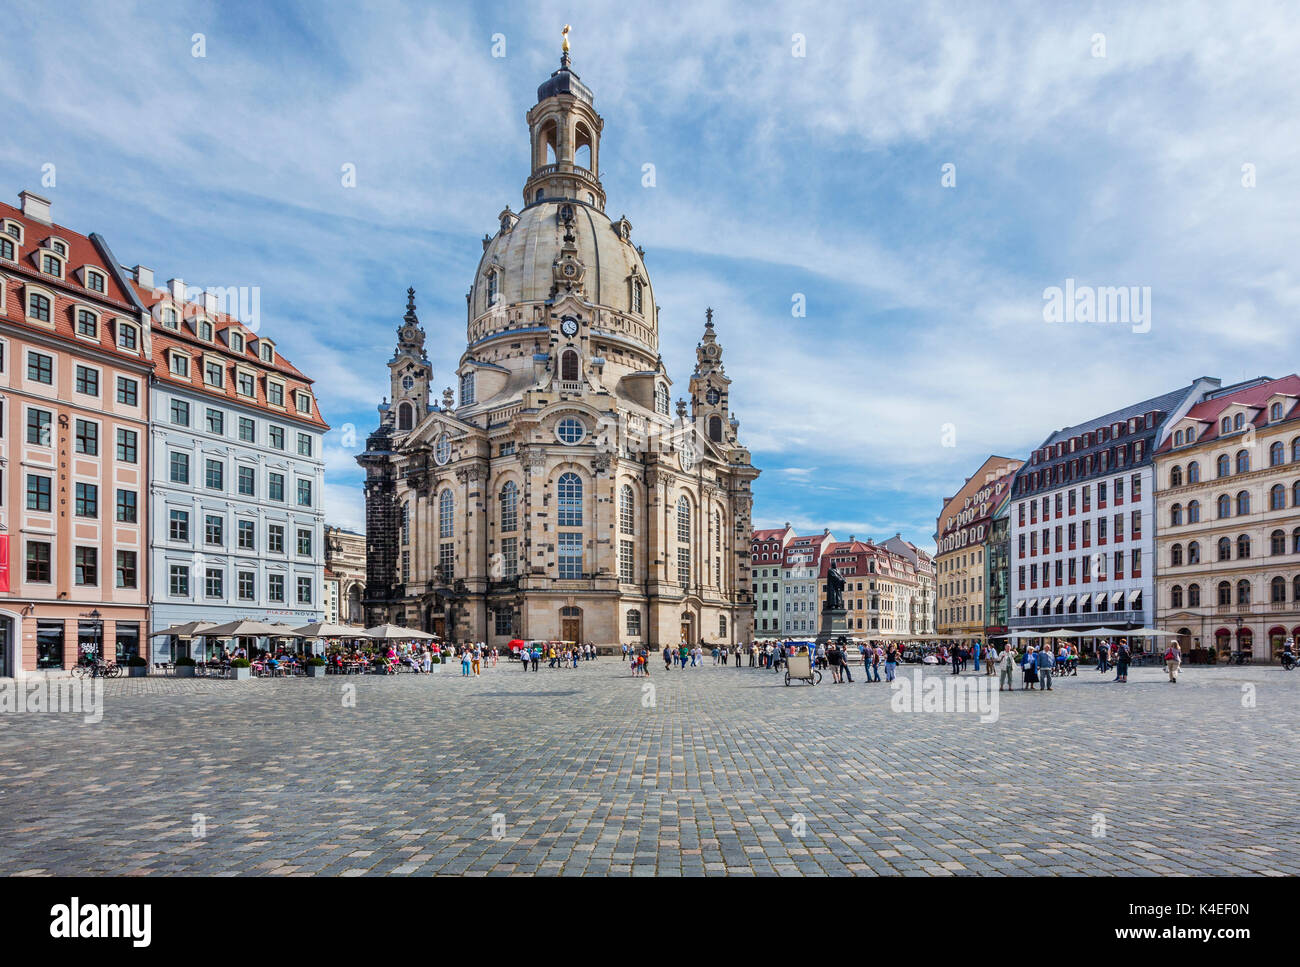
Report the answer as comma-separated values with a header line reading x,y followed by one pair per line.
x,y
404,774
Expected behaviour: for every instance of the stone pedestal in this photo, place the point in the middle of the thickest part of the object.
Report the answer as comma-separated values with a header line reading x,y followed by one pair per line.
x,y
834,624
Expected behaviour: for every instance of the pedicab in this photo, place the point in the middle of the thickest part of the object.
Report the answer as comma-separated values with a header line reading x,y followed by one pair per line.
x,y
799,663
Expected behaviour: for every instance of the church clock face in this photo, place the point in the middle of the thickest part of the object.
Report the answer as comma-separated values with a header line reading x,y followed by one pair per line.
x,y
569,325
407,382
408,333
713,396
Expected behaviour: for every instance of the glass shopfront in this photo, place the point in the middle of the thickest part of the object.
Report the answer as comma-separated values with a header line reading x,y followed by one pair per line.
x,y
128,641
90,640
49,644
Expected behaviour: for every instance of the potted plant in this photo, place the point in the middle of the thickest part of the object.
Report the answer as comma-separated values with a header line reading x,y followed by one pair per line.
x,y
241,669
137,667
185,667
316,667
379,665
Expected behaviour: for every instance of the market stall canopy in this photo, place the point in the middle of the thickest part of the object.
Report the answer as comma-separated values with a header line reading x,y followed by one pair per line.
x,y
188,630
247,628
397,632
326,629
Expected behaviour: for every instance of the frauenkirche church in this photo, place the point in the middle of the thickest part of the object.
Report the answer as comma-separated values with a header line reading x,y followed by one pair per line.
x,y
561,495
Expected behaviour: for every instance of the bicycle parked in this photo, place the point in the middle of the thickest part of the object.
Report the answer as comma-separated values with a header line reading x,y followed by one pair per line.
x,y
97,668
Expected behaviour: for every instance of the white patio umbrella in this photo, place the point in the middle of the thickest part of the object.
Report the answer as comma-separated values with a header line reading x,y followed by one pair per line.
x,y
326,629
247,628
387,632
190,629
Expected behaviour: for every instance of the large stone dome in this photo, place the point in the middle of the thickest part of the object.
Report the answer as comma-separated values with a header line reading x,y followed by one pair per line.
x,y
519,263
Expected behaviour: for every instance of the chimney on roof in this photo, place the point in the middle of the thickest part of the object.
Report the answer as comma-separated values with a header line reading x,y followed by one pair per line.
x,y
143,277
35,207
826,530
210,302
177,289
787,525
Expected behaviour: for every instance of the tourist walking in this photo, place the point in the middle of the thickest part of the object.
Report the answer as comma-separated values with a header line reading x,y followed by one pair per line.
x,y
1006,667
1121,662
1046,667
891,661
1173,661
877,656
1029,669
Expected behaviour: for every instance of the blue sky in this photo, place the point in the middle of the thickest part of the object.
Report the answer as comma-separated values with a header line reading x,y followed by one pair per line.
x,y
775,175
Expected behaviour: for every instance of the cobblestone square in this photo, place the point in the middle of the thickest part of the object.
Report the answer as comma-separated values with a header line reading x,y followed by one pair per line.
x,y
719,771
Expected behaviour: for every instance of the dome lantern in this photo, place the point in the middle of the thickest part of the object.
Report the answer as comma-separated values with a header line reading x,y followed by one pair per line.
x,y
564,129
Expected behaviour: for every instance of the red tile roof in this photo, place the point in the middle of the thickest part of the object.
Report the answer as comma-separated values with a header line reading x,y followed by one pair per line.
x,y
187,339
1255,395
69,292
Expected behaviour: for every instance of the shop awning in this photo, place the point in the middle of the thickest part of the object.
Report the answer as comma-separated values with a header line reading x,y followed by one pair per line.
x,y
1133,596
1083,601
1101,600
1069,602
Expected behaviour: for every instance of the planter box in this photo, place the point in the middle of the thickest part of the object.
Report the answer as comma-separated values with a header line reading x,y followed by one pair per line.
x,y
137,671
241,674
316,671
184,671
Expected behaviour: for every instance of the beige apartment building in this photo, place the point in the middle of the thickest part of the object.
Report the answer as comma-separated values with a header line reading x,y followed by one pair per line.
x,y
1228,521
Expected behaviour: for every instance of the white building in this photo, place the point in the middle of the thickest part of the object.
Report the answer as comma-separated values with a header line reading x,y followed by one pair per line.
x,y
1082,519
236,526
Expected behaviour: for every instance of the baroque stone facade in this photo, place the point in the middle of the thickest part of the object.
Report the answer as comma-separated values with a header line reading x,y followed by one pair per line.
x,y
557,495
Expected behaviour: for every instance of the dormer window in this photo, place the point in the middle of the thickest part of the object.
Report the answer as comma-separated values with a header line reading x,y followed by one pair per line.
x,y
303,401
87,324
7,250
214,374
246,384
179,365
1178,438
15,230
236,341
38,307
1275,412
94,280
59,247
205,331
52,265
267,352
126,336
1238,421
169,318
274,393
661,399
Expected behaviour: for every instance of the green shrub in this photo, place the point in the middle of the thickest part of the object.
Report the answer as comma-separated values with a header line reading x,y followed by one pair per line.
x,y
184,660
316,661
435,660
135,661
240,663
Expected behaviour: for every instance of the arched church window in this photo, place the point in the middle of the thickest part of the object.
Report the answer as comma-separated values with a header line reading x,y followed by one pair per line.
x,y
406,523
569,492
715,429
446,513
636,296
509,517
717,531
569,366
493,287
404,417
466,389
661,399
722,625
626,511
634,623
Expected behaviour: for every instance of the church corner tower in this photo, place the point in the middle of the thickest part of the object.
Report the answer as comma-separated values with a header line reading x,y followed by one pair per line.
x,y
554,496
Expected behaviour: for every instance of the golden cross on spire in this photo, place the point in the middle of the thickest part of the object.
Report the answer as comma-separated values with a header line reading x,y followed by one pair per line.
x,y
565,33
